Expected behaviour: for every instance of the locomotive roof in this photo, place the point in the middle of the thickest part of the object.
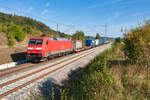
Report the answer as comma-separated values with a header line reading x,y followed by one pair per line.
x,y
39,37
51,38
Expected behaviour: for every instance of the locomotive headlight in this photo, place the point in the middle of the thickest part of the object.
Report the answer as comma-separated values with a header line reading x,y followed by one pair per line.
x,y
38,48
29,48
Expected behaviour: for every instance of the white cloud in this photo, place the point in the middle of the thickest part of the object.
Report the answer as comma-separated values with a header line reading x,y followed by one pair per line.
x,y
45,11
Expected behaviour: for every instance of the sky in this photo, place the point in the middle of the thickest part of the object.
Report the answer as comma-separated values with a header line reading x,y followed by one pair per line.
x,y
90,16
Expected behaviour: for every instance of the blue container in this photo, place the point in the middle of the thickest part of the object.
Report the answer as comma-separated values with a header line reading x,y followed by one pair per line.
x,y
90,42
103,41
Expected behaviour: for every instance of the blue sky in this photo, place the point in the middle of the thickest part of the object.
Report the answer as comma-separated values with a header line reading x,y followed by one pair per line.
x,y
87,15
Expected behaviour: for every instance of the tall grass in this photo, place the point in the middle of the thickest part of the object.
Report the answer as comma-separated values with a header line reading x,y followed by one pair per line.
x,y
109,77
95,81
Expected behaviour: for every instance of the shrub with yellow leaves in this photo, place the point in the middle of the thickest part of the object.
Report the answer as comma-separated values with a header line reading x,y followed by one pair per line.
x,y
137,45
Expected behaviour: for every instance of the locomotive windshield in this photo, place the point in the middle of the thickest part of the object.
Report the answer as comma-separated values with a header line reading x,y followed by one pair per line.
x,y
35,41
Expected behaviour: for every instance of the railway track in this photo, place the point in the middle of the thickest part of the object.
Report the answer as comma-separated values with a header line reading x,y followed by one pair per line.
x,y
8,71
8,87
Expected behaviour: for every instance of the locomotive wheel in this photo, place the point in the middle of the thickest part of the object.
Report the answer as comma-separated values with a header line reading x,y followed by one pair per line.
x,y
38,60
32,61
49,57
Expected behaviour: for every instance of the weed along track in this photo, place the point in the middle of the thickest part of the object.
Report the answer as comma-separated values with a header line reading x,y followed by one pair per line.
x,y
12,86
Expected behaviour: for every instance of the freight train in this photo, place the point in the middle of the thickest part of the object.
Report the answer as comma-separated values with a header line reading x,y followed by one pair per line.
x,y
40,48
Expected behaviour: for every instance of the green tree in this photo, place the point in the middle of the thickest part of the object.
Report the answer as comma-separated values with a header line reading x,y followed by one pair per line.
x,y
27,29
97,36
5,29
36,32
79,35
118,40
1,26
11,41
17,32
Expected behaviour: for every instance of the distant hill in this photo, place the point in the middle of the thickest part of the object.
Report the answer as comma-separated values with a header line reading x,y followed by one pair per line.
x,y
27,23
18,27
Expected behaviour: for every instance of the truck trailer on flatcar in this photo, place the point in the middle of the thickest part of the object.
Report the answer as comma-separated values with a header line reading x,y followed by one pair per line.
x,y
77,45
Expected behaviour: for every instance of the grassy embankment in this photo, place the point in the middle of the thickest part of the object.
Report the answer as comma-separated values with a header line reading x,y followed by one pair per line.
x,y
109,76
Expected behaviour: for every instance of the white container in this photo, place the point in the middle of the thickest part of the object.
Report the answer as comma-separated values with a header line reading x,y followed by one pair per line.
x,y
97,42
77,44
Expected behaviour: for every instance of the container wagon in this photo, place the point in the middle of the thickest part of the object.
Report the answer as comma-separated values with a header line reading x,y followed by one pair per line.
x,y
77,45
46,47
90,42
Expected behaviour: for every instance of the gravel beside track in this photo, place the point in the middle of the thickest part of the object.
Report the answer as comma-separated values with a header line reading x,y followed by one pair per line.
x,y
20,85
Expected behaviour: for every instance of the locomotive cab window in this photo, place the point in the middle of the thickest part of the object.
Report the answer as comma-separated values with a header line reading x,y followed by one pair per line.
x,y
35,41
47,42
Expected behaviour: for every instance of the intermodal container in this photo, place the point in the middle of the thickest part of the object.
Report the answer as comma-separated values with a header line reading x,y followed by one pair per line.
x,y
97,42
90,42
77,44
103,41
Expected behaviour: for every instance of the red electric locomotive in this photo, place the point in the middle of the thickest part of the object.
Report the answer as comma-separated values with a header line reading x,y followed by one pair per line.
x,y
47,47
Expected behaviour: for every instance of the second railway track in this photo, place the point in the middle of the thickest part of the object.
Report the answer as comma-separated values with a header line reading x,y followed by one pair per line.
x,y
8,71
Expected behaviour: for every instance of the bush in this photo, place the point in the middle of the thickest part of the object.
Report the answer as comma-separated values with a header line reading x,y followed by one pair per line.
x,y
95,81
1,26
36,32
4,28
27,29
17,32
11,41
137,45
118,40
92,85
